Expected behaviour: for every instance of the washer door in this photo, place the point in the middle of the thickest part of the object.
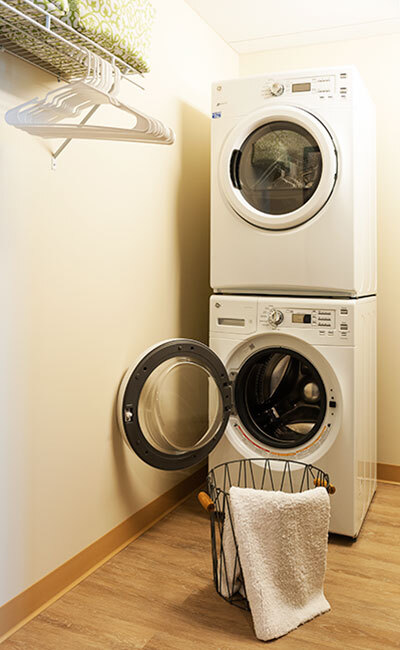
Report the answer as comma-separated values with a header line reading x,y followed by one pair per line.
x,y
174,404
278,167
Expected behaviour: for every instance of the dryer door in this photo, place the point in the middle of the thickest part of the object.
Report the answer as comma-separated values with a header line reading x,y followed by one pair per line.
x,y
278,167
174,404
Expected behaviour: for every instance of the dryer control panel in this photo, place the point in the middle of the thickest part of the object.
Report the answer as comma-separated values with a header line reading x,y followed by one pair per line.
x,y
313,87
327,86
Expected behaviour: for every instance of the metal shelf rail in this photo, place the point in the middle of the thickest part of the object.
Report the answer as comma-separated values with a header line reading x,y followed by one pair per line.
x,y
34,35
30,33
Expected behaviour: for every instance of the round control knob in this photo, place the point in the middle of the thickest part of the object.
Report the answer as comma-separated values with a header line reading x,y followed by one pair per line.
x,y
276,88
275,317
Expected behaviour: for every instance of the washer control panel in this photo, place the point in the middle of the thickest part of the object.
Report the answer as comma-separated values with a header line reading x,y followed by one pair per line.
x,y
315,320
322,323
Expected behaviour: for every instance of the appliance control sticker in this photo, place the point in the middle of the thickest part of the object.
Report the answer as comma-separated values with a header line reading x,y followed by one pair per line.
x,y
319,319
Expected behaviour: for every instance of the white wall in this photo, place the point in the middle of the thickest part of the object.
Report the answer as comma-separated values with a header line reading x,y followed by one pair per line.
x,y
98,261
377,59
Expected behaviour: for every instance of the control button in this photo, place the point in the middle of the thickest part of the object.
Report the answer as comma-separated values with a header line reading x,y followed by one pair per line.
x,y
332,404
307,318
276,88
344,326
330,332
344,311
276,317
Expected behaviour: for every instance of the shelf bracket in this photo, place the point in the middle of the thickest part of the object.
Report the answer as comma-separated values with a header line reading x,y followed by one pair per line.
x,y
66,142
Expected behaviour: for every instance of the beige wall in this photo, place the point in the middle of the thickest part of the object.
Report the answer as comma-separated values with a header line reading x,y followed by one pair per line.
x,y
377,59
108,255
99,260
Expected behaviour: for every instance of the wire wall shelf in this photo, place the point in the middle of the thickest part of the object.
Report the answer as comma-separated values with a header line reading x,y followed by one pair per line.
x,y
36,36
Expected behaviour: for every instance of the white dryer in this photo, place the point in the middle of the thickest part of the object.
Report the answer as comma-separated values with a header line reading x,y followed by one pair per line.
x,y
293,185
289,378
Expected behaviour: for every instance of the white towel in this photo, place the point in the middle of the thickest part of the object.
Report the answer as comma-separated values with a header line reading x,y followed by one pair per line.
x,y
282,540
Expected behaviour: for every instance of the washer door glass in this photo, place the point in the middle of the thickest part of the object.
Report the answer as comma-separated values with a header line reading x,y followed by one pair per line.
x,y
278,167
174,404
280,397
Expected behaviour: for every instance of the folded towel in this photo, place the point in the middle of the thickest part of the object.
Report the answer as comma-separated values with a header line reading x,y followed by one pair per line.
x,y
282,540
121,26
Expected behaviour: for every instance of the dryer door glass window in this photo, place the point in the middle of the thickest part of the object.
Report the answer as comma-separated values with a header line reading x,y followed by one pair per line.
x,y
176,404
278,167
280,397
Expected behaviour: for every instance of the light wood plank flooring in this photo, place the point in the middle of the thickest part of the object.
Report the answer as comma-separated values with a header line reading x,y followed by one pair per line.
x,y
157,594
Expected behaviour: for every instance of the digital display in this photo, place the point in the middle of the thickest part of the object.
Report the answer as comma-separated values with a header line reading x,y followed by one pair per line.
x,y
301,318
301,88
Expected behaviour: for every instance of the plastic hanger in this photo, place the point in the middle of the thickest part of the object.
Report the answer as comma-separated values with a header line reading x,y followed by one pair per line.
x,y
100,86
52,104
64,102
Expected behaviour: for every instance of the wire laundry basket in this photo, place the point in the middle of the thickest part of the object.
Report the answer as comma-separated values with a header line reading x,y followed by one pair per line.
x,y
262,474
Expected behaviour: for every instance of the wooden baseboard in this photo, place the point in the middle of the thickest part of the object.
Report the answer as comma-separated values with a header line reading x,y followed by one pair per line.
x,y
390,473
21,609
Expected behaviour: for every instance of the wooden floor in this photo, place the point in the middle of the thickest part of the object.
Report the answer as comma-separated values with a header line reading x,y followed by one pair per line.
x,y
157,594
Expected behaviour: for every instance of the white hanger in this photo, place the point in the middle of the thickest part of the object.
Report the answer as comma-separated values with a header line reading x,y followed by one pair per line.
x,y
52,106
64,101
99,86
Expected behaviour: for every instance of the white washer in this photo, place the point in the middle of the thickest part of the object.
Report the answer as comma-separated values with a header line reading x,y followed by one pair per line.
x,y
293,185
291,378
332,404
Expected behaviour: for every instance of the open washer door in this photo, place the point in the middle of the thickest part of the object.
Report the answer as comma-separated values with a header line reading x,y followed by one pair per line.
x,y
278,167
174,404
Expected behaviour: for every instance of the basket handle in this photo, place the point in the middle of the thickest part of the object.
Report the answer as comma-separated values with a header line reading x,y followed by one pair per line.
x,y
206,501
319,482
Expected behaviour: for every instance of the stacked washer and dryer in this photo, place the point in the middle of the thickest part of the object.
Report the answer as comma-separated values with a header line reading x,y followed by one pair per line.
x,y
293,255
291,368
